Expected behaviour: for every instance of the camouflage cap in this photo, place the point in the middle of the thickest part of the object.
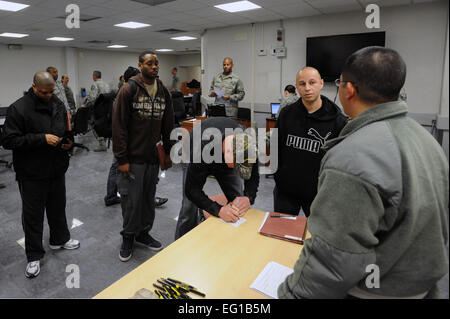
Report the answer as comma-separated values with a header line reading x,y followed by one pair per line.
x,y
244,154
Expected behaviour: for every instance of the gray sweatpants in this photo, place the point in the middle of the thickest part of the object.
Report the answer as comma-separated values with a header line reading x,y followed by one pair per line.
x,y
137,194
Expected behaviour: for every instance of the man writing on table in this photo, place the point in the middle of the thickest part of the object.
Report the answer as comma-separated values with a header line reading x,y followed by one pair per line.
x,y
234,162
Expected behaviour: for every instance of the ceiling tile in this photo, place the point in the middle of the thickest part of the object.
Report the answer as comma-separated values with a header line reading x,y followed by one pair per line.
x,y
297,10
385,3
182,5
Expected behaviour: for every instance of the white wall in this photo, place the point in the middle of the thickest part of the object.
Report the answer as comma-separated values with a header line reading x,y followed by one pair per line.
x,y
417,32
188,60
188,66
17,67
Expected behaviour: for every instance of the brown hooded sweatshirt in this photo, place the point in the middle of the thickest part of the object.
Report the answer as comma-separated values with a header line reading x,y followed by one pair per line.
x,y
137,126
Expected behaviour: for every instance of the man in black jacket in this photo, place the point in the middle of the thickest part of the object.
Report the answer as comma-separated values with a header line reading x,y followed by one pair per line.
x,y
36,131
303,128
234,162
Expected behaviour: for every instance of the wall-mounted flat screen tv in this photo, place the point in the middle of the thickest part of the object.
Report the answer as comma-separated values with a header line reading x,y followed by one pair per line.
x,y
328,54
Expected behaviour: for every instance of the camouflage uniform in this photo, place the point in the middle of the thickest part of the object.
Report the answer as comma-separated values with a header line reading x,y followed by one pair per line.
x,y
60,93
291,99
97,88
232,85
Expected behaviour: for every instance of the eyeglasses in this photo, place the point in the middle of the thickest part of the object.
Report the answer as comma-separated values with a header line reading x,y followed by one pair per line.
x,y
338,83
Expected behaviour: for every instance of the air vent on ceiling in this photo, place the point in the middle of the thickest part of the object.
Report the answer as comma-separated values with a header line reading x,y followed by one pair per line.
x,y
83,17
98,41
171,31
153,2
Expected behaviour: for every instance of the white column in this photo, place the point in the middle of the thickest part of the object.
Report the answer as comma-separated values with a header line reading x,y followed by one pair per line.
x,y
71,59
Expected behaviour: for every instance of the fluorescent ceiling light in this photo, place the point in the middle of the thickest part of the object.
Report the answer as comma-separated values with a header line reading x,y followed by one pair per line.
x,y
117,46
164,50
238,6
12,6
183,38
13,35
132,25
59,39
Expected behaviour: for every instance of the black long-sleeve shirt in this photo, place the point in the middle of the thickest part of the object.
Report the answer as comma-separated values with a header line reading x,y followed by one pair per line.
x,y
198,172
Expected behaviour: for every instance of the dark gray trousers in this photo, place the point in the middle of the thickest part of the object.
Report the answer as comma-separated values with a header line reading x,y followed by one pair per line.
x,y
137,194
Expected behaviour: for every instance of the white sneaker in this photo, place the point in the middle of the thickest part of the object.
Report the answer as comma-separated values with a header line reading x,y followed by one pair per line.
x,y
71,244
33,269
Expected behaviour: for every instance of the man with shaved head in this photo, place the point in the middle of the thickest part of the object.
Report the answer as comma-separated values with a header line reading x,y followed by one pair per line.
x,y
379,222
303,128
230,86
35,130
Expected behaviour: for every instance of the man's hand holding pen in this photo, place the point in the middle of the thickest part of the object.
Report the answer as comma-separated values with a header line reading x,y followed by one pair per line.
x,y
241,205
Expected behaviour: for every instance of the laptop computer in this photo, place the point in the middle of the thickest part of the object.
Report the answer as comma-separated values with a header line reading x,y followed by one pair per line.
x,y
274,107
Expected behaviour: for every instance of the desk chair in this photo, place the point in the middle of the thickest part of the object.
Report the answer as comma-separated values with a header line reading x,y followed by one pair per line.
x,y
179,108
81,124
3,111
216,110
196,105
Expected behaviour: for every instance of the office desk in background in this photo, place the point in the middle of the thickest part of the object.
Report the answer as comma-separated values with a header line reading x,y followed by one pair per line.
x,y
218,259
189,124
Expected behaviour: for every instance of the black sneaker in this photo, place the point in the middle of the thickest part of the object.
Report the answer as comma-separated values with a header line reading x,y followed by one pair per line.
x,y
159,201
126,250
113,201
150,242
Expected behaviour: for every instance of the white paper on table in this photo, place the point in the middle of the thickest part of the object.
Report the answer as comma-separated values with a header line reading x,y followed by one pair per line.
x,y
236,223
270,278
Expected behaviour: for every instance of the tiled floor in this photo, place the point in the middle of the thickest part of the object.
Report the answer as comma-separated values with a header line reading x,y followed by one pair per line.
x,y
97,259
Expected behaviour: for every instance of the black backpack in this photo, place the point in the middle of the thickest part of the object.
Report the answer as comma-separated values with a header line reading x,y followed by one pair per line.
x,y
103,108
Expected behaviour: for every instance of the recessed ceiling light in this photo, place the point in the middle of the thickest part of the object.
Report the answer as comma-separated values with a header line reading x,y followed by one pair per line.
x,y
59,39
132,25
238,6
183,38
13,35
164,50
117,46
12,6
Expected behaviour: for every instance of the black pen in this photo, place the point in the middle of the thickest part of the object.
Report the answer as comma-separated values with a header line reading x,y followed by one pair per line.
x,y
282,216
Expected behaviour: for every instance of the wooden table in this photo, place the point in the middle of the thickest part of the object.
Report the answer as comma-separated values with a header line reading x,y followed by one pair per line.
x,y
218,259
189,124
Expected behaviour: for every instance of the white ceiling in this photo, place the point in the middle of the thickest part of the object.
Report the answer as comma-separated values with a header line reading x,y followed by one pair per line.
x,y
40,20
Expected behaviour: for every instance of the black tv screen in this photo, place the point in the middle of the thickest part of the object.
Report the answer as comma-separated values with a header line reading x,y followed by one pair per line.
x,y
328,54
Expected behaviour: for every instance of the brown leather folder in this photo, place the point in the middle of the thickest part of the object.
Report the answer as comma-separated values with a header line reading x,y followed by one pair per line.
x,y
293,230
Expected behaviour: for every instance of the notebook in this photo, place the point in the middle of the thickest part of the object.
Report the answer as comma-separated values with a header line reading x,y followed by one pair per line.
x,y
289,228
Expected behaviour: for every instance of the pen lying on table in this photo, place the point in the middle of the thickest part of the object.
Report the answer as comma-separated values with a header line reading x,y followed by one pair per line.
x,y
283,216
